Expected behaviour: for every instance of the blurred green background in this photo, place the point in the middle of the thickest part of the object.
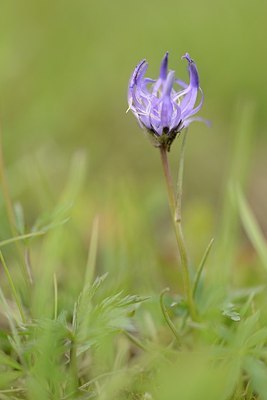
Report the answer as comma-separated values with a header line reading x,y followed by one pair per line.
x,y
64,70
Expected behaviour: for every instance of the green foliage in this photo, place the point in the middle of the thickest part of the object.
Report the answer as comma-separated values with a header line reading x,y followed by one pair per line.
x,y
92,322
65,334
89,246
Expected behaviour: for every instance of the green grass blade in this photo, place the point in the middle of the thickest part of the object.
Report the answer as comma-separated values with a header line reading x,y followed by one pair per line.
x,y
166,316
13,288
251,227
91,261
21,237
201,266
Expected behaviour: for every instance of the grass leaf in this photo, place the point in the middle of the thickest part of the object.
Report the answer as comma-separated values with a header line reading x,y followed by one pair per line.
x,y
251,227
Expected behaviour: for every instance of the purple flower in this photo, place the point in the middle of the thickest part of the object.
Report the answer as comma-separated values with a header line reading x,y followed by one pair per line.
x,y
167,105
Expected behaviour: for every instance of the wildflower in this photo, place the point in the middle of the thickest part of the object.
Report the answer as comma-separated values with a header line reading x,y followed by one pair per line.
x,y
167,105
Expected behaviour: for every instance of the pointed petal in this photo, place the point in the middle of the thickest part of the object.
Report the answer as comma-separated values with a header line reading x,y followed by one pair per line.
x,y
138,74
188,102
168,85
193,74
167,107
164,67
162,74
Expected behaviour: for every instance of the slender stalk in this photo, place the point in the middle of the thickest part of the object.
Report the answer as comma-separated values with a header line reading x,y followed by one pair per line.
x,y
178,230
178,210
168,178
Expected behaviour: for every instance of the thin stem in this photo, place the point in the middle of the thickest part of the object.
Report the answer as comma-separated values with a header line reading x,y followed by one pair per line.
x,y
178,210
168,178
178,232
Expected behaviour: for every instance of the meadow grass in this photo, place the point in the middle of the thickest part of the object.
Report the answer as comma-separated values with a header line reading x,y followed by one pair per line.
x,y
85,313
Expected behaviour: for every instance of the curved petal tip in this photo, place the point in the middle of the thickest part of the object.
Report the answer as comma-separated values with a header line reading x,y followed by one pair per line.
x,y
194,78
187,57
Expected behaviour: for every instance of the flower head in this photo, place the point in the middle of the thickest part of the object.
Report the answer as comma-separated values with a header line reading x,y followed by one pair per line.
x,y
167,105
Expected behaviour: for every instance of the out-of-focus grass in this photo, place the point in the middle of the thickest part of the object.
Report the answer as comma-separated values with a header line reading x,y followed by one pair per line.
x,y
81,337
82,175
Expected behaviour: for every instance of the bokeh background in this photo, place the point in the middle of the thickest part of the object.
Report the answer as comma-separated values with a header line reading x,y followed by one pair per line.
x,y
64,70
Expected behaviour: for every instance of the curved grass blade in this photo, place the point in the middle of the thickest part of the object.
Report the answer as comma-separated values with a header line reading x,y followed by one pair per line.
x,y
21,237
251,227
201,266
166,315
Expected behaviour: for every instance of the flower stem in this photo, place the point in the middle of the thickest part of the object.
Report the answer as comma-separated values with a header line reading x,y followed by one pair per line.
x,y
175,209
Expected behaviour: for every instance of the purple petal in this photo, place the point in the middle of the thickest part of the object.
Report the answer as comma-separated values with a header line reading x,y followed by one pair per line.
x,y
155,123
176,117
188,121
138,73
162,74
164,67
193,74
168,85
161,106
167,108
181,83
189,100
166,112
193,111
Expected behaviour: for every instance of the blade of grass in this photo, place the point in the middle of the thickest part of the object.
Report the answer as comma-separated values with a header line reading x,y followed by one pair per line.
x,y
91,260
13,288
201,266
21,237
55,296
251,227
166,315
135,340
16,340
